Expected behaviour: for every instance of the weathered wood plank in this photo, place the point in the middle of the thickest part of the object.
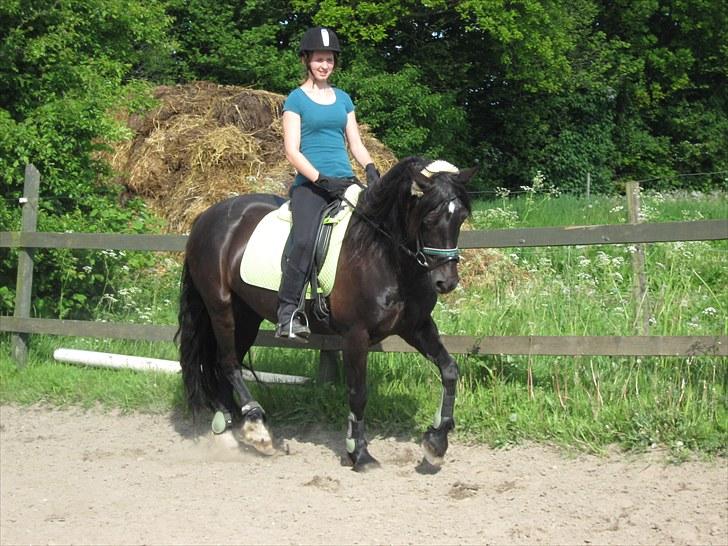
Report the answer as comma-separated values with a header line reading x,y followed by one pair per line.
x,y
94,241
473,345
640,299
83,328
701,230
24,279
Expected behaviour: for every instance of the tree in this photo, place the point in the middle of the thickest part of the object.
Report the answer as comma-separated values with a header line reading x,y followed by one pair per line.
x,y
64,68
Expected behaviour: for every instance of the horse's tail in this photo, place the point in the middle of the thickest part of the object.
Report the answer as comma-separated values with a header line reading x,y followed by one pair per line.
x,y
197,346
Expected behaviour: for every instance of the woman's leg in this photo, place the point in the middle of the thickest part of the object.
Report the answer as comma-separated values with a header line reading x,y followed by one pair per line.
x,y
307,204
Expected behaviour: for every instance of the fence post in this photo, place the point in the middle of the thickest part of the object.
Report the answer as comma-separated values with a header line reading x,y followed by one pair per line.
x,y
24,282
329,366
588,186
639,277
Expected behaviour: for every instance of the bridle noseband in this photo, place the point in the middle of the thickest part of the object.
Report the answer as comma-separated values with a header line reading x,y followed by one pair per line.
x,y
446,255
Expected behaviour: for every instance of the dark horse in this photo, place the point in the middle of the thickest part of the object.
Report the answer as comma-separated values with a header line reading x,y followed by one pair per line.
x,y
399,252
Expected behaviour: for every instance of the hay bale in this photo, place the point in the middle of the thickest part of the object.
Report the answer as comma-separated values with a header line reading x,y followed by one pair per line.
x,y
205,142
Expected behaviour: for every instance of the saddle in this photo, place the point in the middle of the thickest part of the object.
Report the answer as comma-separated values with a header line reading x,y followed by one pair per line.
x,y
268,246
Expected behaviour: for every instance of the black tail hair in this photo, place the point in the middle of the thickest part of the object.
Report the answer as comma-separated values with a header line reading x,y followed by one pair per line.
x,y
197,346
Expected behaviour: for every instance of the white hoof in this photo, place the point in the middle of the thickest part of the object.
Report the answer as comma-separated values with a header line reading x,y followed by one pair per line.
x,y
255,434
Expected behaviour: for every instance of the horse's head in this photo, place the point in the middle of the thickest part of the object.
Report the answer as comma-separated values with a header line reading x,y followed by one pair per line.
x,y
440,205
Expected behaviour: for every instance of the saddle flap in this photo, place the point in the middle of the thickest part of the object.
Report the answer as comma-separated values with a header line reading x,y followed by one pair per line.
x,y
261,262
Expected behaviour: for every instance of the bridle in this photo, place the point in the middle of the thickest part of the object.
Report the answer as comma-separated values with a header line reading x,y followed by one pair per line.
x,y
422,251
446,255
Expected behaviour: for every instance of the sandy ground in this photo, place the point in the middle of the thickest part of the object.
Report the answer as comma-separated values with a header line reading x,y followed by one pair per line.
x,y
75,477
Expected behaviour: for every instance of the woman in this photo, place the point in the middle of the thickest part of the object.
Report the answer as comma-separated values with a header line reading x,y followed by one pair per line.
x,y
318,122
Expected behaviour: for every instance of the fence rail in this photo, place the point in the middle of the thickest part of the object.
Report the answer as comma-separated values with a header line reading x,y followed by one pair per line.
x,y
472,345
21,325
700,230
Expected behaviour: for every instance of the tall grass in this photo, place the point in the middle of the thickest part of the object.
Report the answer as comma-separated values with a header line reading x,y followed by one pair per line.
x,y
587,402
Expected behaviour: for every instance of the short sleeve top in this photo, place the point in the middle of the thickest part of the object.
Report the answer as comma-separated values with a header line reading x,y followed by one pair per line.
x,y
323,129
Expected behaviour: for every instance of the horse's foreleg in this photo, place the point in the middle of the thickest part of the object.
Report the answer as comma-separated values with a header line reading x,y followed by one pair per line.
x,y
356,349
434,441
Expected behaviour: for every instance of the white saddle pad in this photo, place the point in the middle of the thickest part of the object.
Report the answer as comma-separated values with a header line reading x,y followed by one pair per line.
x,y
261,263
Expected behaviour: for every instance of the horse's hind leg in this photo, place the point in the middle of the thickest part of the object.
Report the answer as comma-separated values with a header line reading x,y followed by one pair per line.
x,y
232,343
247,323
254,431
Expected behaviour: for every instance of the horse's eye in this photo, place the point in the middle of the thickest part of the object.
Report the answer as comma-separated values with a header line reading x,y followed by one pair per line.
x,y
434,215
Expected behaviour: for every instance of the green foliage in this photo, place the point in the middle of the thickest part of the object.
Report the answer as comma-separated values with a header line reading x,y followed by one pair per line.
x,y
615,90
233,42
406,115
64,68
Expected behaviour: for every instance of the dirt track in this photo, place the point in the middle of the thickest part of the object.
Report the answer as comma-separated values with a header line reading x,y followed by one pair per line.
x,y
73,477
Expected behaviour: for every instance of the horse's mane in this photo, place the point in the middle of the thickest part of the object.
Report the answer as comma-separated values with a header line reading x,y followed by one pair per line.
x,y
389,204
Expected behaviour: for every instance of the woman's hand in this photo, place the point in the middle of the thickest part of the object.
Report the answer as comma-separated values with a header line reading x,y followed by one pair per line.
x,y
335,187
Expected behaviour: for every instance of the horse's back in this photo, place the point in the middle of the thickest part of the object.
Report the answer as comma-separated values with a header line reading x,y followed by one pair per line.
x,y
227,225
233,209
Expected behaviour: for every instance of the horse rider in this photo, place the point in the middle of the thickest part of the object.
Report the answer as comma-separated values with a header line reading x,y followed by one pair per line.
x,y
318,123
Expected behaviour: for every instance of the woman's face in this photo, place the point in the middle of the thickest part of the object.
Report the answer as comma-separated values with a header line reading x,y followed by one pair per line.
x,y
321,65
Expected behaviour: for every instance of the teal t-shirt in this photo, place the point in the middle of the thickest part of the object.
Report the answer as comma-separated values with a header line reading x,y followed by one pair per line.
x,y
323,132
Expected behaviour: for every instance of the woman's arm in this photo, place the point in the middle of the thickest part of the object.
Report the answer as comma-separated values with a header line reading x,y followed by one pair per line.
x,y
292,146
358,150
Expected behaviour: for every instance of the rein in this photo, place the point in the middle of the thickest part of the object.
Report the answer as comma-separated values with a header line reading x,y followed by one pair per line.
x,y
419,255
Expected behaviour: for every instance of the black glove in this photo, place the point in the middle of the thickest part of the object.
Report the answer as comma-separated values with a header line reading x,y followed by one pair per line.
x,y
372,174
335,187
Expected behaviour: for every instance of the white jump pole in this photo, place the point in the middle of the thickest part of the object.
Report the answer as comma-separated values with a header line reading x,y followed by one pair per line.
x,y
142,363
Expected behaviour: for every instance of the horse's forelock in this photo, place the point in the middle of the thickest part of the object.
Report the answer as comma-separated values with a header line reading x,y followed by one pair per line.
x,y
445,187
389,191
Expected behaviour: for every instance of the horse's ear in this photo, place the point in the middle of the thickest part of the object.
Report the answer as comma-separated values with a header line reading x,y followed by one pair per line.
x,y
420,181
465,175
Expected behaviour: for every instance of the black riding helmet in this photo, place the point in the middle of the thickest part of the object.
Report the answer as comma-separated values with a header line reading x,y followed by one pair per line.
x,y
319,39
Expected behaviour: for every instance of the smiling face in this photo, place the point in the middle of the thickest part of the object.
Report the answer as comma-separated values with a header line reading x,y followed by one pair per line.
x,y
320,65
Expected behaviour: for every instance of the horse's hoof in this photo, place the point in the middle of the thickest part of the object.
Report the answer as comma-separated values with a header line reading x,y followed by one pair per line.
x,y
425,467
434,446
255,434
431,456
366,466
363,461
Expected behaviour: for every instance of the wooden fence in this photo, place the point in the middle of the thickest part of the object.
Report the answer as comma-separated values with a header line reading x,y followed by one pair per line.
x,y
634,233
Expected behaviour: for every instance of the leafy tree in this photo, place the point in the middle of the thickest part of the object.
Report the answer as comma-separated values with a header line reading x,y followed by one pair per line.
x,y
236,42
64,68
671,107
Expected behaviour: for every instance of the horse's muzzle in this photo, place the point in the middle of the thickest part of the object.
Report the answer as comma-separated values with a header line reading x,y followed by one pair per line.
x,y
445,278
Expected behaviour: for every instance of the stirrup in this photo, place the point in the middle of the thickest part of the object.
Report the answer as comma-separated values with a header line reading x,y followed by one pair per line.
x,y
294,329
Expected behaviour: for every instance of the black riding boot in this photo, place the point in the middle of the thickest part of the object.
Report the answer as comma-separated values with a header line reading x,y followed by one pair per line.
x,y
292,322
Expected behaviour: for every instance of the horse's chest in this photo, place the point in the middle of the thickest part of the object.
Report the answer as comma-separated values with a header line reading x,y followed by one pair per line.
x,y
390,308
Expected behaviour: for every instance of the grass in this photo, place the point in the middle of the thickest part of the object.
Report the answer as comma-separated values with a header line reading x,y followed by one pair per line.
x,y
584,402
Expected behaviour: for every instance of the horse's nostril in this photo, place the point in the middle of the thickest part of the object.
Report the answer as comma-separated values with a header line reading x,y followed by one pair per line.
x,y
443,287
